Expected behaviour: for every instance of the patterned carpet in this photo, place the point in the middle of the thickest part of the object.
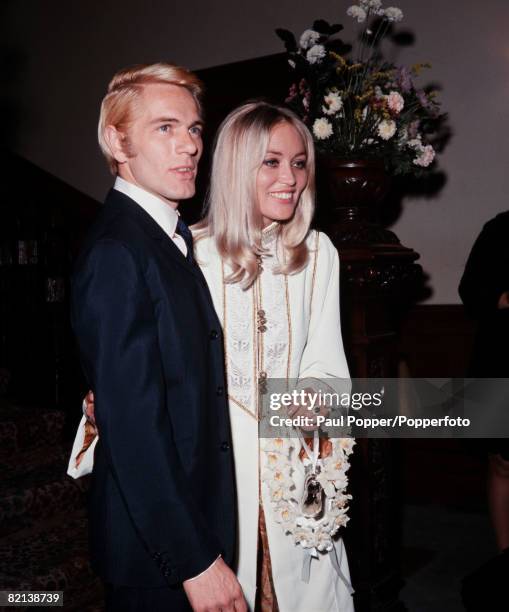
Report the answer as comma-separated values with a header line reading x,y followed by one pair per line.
x,y
43,533
43,529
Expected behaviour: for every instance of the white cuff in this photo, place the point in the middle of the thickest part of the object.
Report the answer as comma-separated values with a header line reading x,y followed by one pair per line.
x,y
201,573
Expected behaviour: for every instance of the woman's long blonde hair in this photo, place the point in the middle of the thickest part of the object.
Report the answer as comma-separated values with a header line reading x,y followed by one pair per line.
x,y
233,218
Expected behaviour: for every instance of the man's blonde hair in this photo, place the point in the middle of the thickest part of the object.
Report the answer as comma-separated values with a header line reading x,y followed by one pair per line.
x,y
119,104
233,217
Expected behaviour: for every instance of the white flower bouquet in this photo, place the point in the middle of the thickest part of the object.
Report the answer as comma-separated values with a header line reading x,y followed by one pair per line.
x,y
278,475
364,107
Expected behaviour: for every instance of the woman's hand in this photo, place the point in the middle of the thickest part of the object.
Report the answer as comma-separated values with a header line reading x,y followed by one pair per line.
x,y
89,409
91,431
305,410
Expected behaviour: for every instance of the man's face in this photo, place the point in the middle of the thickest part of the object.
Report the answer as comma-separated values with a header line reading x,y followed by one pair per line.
x,y
164,143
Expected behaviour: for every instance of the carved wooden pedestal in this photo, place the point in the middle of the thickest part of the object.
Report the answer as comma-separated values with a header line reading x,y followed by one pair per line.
x,y
374,280
378,276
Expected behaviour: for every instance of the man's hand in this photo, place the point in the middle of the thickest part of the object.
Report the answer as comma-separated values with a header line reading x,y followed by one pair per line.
x,y
216,590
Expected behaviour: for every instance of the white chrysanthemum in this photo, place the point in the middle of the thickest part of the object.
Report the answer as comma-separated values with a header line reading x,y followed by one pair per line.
x,y
386,129
346,444
395,101
333,103
322,129
315,54
323,541
333,463
415,143
278,445
276,495
340,505
393,14
277,478
334,468
308,38
341,482
341,520
301,537
284,513
374,6
426,157
357,12
306,538
275,461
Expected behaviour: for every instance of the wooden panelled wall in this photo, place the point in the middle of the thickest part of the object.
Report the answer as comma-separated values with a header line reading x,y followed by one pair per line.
x,y
436,341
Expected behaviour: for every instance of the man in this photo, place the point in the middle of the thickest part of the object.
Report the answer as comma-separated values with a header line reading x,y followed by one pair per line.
x,y
484,290
162,516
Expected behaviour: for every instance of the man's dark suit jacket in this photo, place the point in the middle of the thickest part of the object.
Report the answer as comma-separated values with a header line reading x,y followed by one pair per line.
x,y
162,498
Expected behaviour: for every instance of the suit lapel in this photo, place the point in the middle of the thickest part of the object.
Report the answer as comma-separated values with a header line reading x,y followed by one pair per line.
x,y
144,220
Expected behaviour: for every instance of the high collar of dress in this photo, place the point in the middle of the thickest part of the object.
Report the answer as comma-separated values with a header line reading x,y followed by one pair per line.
x,y
270,234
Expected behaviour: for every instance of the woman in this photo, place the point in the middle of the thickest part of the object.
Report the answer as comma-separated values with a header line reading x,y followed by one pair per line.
x,y
275,287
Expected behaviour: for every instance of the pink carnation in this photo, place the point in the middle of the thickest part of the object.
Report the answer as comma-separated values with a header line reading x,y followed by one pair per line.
x,y
395,102
426,157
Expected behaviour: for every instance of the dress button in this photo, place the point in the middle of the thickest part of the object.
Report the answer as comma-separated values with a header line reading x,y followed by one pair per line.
x,y
225,446
220,391
214,334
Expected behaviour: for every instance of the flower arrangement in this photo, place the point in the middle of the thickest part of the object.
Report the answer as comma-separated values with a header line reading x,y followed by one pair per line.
x,y
277,474
364,107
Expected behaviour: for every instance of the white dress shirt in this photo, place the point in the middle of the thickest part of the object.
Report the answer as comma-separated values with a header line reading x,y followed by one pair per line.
x,y
163,214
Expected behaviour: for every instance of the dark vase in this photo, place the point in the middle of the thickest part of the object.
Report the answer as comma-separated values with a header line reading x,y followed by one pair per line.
x,y
356,187
351,193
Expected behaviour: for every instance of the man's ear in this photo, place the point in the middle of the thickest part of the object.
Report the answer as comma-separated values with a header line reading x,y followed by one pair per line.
x,y
116,143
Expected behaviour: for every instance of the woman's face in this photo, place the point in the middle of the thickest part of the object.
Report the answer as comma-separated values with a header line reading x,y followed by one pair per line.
x,y
283,174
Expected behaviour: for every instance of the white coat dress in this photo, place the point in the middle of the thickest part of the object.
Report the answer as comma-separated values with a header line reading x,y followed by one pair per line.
x,y
302,340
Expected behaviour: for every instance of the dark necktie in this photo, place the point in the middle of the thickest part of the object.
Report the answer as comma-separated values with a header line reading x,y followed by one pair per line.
x,y
185,232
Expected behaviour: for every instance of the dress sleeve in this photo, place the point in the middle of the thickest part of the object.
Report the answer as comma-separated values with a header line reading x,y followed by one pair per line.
x,y
324,355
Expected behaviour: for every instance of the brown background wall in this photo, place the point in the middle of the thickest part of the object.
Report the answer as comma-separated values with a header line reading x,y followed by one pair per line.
x,y
58,57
